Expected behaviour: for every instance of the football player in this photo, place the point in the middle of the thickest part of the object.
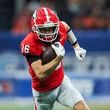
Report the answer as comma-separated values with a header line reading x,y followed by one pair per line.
x,y
49,83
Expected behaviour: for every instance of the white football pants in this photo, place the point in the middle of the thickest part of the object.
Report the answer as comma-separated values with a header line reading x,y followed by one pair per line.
x,y
65,94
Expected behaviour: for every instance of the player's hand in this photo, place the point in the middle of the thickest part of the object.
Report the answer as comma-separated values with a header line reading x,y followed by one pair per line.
x,y
59,49
80,53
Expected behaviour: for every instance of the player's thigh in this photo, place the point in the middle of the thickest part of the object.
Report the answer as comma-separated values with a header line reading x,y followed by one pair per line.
x,y
68,94
44,101
81,105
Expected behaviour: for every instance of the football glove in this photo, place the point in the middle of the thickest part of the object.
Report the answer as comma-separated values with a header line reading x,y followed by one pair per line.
x,y
80,53
59,49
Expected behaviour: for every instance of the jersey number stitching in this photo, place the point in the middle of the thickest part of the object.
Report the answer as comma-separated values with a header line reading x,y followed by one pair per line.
x,y
25,48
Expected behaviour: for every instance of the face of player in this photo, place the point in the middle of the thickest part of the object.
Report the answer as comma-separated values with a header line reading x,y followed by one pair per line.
x,y
47,33
47,30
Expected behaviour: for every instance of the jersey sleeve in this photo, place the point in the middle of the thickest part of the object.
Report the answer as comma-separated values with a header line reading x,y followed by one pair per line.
x,y
66,26
32,58
30,52
28,48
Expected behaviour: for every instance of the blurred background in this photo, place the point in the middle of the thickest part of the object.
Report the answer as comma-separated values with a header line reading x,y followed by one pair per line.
x,y
90,21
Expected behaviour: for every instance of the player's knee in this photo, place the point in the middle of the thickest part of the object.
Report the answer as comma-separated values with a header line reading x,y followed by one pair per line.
x,y
81,106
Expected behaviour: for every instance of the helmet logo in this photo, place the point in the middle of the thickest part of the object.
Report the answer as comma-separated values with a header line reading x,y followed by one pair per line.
x,y
34,15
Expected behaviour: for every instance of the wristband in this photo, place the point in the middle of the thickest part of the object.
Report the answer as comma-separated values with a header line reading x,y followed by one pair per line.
x,y
71,37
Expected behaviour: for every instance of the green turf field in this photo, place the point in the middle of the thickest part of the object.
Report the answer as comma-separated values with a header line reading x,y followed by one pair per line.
x,y
57,107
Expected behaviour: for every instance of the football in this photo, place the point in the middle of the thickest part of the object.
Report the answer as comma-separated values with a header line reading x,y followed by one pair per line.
x,y
48,55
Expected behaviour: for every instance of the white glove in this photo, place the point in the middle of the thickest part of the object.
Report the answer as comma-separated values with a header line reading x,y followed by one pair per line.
x,y
58,48
80,53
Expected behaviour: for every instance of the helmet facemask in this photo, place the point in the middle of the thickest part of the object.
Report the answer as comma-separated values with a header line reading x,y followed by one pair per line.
x,y
47,32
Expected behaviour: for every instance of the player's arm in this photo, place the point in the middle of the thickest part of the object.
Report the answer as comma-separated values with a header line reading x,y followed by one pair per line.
x,y
70,35
43,71
80,52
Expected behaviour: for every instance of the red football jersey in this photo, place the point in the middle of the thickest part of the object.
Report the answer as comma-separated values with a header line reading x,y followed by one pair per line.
x,y
33,46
